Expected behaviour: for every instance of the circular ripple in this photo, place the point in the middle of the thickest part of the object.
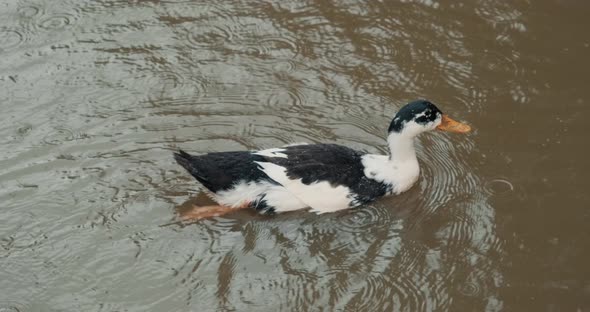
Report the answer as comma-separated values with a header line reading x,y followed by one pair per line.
x,y
166,80
24,130
364,218
378,43
29,11
499,186
165,88
105,103
344,55
284,98
56,21
277,48
10,38
470,289
58,136
284,66
378,293
371,296
208,35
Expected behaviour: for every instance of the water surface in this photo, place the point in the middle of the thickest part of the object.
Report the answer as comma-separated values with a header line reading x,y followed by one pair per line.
x,y
95,96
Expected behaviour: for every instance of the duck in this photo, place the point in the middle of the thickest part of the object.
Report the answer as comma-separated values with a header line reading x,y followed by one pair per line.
x,y
321,177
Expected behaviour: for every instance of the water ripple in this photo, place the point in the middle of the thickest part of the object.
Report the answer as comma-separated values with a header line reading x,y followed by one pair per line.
x,y
103,103
498,12
412,296
173,85
442,172
208,35
56,21
30,11
460,230
343,55
348,55
288,98
58,136
364,218
144,77
368,297
470,289
496,62
279,48
284,66
499,186
10,38
7,306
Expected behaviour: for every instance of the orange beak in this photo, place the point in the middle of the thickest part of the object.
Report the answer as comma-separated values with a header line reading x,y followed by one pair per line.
x,y
451,125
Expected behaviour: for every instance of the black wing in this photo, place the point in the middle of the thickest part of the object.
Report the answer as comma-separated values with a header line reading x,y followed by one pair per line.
x,y
336,164
220,171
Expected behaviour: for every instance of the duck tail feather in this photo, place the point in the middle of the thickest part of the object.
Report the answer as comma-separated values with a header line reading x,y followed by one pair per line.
x,y
185,160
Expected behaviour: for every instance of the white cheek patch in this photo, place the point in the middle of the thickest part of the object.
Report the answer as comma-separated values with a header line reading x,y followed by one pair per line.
x,y
412,128
437,121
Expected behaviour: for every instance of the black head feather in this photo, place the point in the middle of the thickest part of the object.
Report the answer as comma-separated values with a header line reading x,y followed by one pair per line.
x,y
421,111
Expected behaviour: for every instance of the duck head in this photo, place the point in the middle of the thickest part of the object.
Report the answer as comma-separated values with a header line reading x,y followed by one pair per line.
x,y
413,119
420,116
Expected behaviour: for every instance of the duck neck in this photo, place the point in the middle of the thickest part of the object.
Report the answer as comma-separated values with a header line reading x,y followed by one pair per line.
x,y
401,148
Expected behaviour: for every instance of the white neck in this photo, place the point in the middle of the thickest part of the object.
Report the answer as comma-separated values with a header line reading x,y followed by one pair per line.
x,y
401,169
401,147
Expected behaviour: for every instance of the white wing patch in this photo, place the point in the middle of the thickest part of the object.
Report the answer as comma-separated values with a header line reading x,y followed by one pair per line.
x,y
272,152
320,196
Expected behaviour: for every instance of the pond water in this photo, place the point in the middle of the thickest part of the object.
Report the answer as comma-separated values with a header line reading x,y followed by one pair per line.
x,y
96,95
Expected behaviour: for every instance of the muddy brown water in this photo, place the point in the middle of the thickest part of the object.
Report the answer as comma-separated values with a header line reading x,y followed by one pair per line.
x,y
95,95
